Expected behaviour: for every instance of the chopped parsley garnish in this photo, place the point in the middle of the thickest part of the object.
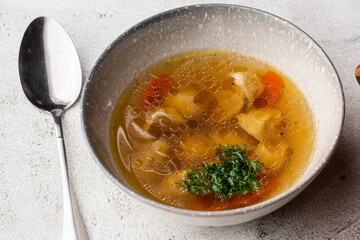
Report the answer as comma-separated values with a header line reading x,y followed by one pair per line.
x,y
234,174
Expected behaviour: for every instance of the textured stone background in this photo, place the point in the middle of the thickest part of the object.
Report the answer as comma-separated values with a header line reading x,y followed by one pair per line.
x,y
30,185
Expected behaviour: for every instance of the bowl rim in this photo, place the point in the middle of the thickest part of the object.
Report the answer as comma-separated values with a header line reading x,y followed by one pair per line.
x,y
293,191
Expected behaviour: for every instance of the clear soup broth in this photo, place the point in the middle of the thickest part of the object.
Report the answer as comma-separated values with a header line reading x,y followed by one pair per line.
x,y
177,112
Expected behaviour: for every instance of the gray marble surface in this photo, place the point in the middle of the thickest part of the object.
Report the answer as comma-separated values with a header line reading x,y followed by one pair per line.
x,y
30,185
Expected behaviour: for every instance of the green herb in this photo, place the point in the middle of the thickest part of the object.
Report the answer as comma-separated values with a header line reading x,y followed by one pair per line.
x,y
235,174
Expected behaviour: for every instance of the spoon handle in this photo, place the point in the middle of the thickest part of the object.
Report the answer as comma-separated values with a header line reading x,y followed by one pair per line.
x,y
73,225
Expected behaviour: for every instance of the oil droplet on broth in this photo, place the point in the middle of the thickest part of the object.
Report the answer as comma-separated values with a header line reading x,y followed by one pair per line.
x,y
262,114
205,100
275,140
192,124
281,126
275,113
289,152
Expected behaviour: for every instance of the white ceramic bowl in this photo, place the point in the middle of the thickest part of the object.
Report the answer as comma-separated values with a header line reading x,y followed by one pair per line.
x,y
241,29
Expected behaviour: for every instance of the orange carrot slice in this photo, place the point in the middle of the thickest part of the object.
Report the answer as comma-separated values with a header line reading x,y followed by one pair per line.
x,y
156,92
273,85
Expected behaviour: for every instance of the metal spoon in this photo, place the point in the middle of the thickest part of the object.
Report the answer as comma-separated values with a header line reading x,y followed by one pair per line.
x,y
50,76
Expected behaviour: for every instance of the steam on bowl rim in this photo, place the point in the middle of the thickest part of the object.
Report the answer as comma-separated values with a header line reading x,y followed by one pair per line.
x,y
294,190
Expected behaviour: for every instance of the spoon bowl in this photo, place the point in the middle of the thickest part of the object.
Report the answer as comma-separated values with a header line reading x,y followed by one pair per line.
x,y
49,66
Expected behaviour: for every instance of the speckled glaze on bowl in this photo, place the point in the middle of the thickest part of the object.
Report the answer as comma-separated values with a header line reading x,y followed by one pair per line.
x,y
241,29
